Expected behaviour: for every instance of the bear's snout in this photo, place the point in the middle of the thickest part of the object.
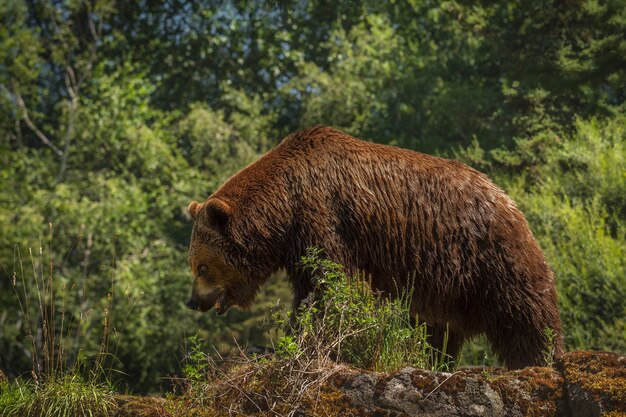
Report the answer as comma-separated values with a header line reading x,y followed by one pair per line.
x,y
192,304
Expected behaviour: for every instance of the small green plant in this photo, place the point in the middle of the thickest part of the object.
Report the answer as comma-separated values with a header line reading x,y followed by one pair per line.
x,y
287,347
485,371
344,320
548,352
195,363
198,367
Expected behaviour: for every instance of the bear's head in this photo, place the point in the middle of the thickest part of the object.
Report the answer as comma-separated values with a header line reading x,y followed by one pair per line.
x,y
220,278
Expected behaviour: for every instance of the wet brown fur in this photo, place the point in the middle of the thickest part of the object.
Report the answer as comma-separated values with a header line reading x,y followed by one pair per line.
x,y
393,214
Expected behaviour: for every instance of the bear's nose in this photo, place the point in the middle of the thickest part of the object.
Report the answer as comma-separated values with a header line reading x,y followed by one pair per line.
x,y
192,304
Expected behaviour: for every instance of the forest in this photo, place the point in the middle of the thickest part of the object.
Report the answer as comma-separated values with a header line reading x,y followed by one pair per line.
x,y
115,114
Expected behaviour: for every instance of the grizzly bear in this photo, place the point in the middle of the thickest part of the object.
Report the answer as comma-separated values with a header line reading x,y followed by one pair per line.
x,y
394,215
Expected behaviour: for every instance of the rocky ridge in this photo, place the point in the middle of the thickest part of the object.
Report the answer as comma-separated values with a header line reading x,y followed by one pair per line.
x,y
581,384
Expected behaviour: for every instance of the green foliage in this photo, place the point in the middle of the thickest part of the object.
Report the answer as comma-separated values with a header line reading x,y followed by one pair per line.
x,y
70,370
114,115
346,321
578,212
69,395
503,70
287,347
19,59
16,399
216,147
352,94
195,365
572,191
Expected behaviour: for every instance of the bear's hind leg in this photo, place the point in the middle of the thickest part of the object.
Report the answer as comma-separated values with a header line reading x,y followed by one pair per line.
x,y
517,348
522,344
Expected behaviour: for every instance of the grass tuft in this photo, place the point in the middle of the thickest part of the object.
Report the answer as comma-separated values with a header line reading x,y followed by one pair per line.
x,y
68,395
65,379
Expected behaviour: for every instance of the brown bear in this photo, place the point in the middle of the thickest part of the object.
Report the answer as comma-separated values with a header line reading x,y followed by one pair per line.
x,y
392,214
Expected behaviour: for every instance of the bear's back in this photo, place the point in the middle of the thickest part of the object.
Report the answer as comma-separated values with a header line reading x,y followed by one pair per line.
x,y
322,141
328,154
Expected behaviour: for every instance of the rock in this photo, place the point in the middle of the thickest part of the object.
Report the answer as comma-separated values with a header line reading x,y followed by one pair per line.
x,y
359,386
411,391
415,391
583,384
595,383
531,391
259,351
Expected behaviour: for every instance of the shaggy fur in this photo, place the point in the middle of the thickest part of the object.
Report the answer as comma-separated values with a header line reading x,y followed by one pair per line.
x,y
393,214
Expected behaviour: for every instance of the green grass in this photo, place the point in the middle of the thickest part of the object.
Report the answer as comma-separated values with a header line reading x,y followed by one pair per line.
x,y
66,378
67,395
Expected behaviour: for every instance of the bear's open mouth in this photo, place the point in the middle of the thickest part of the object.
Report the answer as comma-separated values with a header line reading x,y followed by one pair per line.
x,y
222,304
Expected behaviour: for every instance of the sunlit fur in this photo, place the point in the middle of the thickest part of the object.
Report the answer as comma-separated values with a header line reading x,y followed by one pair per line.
x,y
396,215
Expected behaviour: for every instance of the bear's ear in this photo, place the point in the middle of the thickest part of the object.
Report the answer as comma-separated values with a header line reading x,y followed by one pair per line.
x,y
218,213
193,209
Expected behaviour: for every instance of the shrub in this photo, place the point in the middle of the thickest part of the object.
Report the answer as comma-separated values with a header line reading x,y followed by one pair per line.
x,y
345,321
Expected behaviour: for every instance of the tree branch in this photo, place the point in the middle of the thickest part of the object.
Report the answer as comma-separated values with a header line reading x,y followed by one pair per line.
x,y
20,103
72,89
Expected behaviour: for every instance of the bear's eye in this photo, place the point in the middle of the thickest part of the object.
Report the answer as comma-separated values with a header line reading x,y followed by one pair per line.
x,y
203,270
